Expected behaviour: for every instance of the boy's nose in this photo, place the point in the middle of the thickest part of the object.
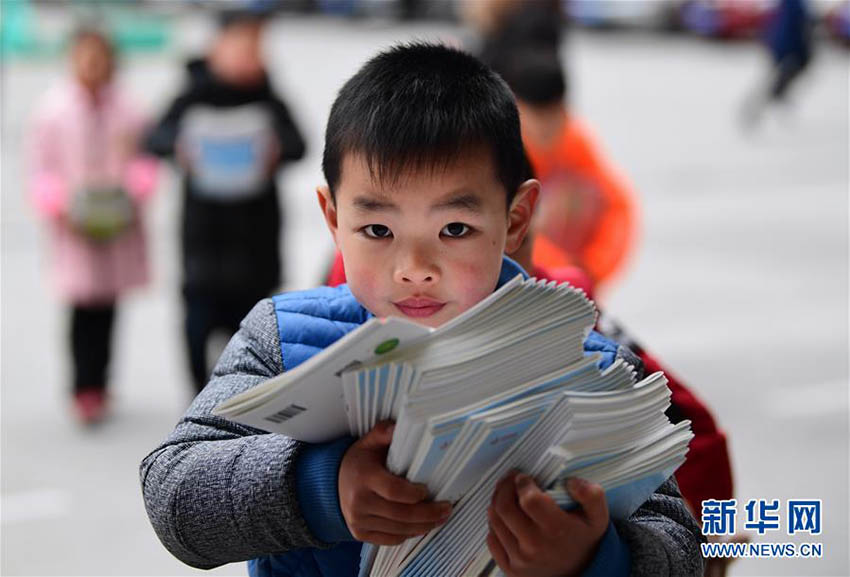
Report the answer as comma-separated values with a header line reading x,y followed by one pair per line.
x,y
416,269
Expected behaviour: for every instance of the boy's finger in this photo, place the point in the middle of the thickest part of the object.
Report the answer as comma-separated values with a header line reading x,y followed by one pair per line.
x,y
506,538
539,506
591,497
508,478
380,436
406,513
393,527
506,506
394,488
498,552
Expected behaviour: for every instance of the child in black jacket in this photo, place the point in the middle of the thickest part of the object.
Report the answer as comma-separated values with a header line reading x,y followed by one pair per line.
x,y
230,133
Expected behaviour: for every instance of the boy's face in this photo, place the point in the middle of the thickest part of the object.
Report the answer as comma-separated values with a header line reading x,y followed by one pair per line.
x,y
236,56
542,124
429,246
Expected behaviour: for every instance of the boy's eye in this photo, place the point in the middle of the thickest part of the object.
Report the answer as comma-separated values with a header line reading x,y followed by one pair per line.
x,y
455,230
377,231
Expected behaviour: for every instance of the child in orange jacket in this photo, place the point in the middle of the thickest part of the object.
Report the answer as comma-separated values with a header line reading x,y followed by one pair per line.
x,y
587,214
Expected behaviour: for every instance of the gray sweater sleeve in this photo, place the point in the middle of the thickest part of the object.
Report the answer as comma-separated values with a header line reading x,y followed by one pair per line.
x,y
217,492
662,536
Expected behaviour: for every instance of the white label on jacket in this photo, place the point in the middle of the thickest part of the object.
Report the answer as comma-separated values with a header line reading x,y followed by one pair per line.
x,y
228,150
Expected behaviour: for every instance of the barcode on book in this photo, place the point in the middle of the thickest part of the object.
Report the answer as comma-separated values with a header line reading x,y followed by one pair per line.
x,y
286,414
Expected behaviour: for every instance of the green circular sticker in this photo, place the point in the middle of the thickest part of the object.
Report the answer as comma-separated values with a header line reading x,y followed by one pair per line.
x,y
386,346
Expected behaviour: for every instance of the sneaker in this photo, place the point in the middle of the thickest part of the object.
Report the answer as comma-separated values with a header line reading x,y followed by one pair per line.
x,y
90,405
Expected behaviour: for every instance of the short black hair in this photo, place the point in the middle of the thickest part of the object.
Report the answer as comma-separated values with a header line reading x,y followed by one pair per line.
x,y
420,105
230,17
535,74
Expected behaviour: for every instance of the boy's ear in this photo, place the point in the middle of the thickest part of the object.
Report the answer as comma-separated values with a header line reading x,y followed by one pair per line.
x,y
326,203
520,213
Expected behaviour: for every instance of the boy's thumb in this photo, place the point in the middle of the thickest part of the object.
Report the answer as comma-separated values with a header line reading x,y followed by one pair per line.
x,y
381,435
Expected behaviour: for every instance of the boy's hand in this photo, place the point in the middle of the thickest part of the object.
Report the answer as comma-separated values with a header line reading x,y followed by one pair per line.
x,y
272,157
380,507
530,536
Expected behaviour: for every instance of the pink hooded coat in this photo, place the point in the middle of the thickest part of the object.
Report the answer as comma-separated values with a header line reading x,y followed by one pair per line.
x,y
77,144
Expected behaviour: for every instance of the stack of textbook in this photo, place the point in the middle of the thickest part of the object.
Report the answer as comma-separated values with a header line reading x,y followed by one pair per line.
x,y
504,386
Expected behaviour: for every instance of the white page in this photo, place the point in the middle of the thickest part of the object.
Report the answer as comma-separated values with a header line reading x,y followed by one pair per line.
x,y
349,393
314,388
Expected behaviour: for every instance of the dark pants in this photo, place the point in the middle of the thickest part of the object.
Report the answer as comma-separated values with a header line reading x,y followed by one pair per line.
x,y
91,339
206,314
785,72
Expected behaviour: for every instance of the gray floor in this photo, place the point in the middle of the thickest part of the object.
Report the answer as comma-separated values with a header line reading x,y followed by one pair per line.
x,y
739,284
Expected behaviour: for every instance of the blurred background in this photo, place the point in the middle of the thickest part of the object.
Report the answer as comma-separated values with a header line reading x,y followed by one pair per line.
x,y
734,164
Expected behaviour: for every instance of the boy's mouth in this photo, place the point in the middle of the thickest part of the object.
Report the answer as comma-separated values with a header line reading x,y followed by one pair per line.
x,y
419,307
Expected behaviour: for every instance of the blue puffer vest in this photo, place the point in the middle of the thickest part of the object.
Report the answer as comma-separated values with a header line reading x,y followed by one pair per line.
x,y
308,322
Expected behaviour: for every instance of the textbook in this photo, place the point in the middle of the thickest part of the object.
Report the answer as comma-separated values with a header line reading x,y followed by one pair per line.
x,y
505,385
307,403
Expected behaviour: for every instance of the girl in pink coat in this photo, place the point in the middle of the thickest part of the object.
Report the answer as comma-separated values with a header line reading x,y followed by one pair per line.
x,y
89,183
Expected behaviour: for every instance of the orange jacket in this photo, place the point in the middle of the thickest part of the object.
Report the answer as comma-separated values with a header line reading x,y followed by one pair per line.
x,y
588,212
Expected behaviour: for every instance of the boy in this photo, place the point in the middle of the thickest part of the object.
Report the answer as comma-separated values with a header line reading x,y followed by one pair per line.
x,y
230,133
588,213
423,162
